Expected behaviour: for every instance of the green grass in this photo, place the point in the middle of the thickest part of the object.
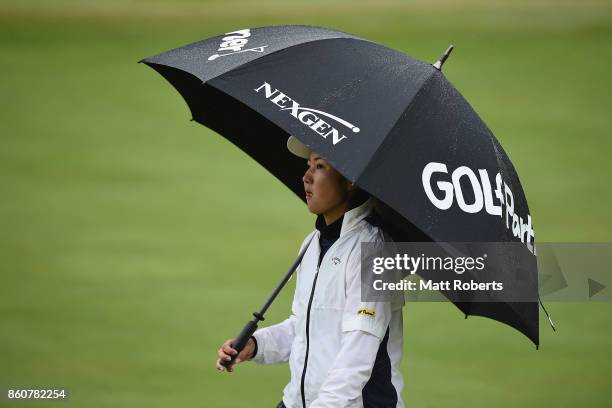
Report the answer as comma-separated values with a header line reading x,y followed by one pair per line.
x,y
134,241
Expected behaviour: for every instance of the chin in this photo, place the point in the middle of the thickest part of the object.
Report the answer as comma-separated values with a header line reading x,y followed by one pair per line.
x,y
313,209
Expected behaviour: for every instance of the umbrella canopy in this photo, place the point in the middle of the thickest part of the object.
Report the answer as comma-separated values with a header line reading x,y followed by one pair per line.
x,y
388,122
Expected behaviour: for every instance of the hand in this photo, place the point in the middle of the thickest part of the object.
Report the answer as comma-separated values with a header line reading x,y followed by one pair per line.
x,y
226,352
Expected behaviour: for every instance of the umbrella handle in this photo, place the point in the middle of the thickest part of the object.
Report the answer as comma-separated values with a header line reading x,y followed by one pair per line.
x,y
242,339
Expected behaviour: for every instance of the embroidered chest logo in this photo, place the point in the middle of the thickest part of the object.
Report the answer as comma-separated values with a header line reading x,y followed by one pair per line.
x,y
336,260
366,312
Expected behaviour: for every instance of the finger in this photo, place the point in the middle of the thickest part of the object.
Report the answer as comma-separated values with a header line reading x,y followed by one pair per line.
x,y
222,354
227,346
229,350
225,357
219,366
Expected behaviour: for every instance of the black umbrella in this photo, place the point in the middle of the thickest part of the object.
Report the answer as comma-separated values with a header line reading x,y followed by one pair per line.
x,y
388,122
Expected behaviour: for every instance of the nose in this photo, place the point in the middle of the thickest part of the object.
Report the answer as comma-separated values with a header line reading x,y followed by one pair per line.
x,y
307,178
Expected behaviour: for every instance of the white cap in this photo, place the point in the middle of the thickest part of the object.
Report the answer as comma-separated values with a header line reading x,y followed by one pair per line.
x,y
298,148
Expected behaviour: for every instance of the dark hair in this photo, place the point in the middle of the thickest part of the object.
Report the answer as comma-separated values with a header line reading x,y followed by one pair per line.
x,y
358,197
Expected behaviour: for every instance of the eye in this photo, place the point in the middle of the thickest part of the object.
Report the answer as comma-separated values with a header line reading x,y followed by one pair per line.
x,y
320,166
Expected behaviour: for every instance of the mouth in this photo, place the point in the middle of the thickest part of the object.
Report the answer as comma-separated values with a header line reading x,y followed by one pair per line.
x,y
308,194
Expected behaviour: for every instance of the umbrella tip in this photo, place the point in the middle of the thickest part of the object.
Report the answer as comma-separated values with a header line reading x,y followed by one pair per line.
x,y
442,60
552,324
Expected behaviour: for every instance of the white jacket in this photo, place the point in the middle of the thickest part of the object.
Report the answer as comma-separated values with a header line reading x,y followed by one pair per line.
x,y
352,349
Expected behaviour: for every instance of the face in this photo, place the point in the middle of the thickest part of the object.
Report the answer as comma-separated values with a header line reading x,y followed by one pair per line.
x,y
327,191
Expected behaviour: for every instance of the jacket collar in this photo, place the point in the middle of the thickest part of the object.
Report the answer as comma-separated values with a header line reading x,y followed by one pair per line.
x,y
354,216
346,222
331,231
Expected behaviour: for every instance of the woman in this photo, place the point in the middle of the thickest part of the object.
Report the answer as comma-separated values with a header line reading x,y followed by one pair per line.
x,y
342,352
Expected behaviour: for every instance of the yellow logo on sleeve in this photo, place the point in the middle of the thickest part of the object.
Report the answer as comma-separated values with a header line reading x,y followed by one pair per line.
x,y
366,312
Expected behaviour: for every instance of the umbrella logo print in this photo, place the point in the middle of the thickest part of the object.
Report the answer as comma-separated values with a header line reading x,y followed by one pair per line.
x,y
308,116
256,49
329,115
483,198
235,41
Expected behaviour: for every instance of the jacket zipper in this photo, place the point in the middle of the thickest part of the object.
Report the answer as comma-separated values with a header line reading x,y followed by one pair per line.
x,y
312,291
